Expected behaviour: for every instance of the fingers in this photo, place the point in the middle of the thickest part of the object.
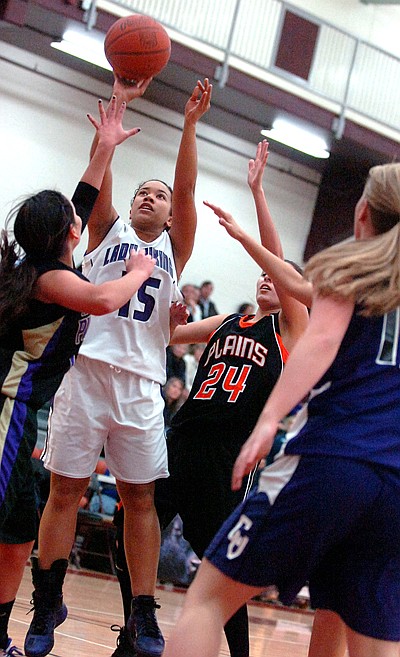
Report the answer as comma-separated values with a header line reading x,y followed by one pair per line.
x,y
132,132
243,465
93,121
213,207
217,210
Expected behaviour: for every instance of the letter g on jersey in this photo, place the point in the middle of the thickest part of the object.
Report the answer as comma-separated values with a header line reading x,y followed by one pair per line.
x,y
237,538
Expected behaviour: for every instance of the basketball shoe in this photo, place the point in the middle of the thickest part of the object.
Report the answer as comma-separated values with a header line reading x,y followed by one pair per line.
x,y
10,650
142,625
125,647
48,607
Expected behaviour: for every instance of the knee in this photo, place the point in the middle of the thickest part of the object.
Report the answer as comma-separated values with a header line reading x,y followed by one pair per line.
x,y
65,496
137,499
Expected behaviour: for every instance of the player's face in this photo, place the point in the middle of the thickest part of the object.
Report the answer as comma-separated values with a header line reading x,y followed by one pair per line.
x,y
267,297
152,206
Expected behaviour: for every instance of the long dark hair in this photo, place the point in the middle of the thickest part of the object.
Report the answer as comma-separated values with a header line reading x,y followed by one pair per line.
x,y
41,225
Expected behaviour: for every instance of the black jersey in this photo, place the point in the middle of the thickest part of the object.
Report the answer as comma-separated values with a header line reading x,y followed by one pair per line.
x,y
39,349
236,373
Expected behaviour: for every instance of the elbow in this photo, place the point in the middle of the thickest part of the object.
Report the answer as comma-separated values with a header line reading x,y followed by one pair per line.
x,y
103,306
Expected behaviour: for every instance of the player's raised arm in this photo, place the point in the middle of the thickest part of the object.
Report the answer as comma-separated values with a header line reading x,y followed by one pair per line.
x,y
281,272
268,233
183,204
104,214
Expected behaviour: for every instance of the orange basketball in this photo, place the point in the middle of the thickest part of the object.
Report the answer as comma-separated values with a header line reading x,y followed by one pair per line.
x,y
137,47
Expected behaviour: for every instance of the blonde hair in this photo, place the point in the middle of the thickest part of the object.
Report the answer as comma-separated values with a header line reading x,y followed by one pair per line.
x,y
368,270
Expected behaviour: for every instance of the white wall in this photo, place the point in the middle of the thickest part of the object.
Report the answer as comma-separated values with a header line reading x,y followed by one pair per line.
x,y
45,139
377,24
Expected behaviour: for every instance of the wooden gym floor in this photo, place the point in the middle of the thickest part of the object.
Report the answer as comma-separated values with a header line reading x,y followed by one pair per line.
x,y
94,605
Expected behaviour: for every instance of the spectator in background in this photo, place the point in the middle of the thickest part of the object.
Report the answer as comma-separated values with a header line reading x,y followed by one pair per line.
x,y
246,309
176,364
172,394
192,361
208,308
191,294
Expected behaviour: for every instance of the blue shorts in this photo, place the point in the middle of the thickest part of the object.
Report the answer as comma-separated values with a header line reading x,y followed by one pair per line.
x,y
331,522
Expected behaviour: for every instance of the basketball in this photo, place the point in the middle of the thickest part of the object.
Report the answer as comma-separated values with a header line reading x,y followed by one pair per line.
x,y
137,47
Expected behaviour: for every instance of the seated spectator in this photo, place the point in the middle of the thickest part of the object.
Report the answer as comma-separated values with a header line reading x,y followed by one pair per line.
x,y
176,365
192,361
246,309
191,294
172,393
208,308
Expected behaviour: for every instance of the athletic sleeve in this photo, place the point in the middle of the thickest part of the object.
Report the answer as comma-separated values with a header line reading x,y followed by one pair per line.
x,y
84,199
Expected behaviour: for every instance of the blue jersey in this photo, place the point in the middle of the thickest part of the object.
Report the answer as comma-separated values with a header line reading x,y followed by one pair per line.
x,y
354,410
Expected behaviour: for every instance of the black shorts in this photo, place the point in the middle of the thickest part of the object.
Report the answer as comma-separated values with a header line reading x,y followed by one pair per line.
x,y
18,503
199,486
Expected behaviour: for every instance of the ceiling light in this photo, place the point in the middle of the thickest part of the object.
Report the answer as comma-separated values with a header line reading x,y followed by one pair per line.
x,y
84,45
298,138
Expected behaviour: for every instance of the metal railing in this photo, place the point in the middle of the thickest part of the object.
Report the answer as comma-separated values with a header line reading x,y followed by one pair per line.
x,y
354,75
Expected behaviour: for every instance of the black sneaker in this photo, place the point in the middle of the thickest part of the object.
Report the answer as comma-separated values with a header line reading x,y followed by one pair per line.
x,y
142,624
39,640
10,650
125,647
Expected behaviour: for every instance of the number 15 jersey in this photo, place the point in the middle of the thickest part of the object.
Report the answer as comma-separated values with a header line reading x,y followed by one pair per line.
x,y
135,337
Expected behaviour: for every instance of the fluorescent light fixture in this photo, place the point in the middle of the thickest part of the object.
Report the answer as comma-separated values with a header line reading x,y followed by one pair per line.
x,y
84,45
298,138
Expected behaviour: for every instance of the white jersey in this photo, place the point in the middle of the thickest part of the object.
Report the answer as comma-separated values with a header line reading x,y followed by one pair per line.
x,y
135,337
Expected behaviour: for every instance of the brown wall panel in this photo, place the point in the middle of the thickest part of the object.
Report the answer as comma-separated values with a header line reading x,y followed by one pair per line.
x,y
296,45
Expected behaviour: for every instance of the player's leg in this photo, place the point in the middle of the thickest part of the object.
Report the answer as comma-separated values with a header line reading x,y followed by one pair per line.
x,y
71,453
125,647
56,537
58,522
205,501
136,455
360,645
210,601
142,549
328,638
18,508
165,512
13,559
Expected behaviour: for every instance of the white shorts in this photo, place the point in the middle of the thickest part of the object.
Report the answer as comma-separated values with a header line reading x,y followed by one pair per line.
x,y
99,405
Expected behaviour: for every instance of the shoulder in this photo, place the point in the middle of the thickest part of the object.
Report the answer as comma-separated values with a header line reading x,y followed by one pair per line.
x,y
119,230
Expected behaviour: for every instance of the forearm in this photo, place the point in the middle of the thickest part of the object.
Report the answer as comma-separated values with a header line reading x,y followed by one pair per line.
x,y
112,295
282,273
98,164
268,233
186,163
196,331
309,360
184,214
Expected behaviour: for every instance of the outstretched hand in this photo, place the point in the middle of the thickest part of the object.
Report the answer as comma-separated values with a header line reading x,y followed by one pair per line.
x,y
226,220
257,166
127,91
178,315
109,127
256,447
140,262
199,102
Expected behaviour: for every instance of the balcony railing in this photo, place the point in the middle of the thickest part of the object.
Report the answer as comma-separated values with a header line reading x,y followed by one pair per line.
x,y
346,74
